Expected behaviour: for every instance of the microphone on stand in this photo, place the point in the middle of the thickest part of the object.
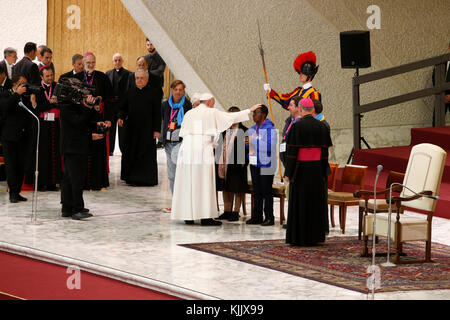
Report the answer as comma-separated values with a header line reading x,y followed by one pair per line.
x,y
36,173
373,267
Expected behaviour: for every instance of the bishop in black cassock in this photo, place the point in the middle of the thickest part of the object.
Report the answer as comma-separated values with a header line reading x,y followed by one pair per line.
x,y
140,112
50,172
98,158
306,169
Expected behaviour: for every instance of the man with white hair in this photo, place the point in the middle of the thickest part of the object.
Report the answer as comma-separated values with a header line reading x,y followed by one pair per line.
x,y
118,76
10,55
195,181
97,174
141,109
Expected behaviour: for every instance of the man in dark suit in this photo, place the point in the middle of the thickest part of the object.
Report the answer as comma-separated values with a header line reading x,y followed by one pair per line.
x,y
5,86
77,124
16,136
119,78
156,66
10,55
45,56
27,67
78,68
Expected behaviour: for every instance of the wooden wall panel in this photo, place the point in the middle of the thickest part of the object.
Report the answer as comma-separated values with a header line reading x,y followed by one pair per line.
x,y
106,28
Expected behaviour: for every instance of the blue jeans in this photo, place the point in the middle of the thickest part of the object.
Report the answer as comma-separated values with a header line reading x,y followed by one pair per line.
x,y
172,156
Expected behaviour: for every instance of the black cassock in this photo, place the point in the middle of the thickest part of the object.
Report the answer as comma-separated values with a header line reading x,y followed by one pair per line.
x,y
141,110
98,158
306,167
50,171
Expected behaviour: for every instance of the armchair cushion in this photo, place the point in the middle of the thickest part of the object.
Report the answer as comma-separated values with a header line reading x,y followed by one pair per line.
x,y
341,196
412,229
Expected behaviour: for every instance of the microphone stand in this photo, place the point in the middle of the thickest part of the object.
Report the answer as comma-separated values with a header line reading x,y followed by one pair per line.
x,y
36,173
388,263
373,266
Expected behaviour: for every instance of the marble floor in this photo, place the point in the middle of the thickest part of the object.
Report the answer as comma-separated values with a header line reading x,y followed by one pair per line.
x,y
131,239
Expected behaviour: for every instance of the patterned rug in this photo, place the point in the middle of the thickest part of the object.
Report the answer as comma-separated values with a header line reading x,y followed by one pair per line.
x,y
338,262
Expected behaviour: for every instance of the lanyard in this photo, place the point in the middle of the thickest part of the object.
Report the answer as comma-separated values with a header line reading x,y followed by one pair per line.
x,y
45,91
86,78
173,112
289,128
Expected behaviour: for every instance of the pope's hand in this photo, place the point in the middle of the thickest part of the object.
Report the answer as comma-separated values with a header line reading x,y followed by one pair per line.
x,y
256,106
266,87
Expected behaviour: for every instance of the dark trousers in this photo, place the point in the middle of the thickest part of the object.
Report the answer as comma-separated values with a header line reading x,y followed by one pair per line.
x,y
17,155
73,182
262,189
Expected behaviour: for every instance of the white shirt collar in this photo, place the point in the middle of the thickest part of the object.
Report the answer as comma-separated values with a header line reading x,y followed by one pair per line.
x,y
4,81
307,85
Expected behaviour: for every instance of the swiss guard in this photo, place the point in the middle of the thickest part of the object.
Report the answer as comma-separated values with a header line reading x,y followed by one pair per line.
x,y
305,65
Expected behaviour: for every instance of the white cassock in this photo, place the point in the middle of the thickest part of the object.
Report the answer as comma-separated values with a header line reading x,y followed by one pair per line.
x,y
194,194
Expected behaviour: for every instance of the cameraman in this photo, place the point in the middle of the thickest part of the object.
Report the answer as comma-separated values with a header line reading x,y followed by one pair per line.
x,y
77,124
16,135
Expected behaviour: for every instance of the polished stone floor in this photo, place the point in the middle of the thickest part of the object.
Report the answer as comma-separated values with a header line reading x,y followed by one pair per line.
x,y
130,238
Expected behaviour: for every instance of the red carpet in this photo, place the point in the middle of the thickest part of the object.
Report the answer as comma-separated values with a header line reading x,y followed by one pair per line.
x,y
396,159
30,279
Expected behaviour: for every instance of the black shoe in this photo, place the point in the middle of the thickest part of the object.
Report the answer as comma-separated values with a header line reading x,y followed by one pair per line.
x,y
20,198
13,199
78,216
210,222
42,188
268,222
234,216
189,221
284,226
224,216
66,214
254,221
52,187
87,214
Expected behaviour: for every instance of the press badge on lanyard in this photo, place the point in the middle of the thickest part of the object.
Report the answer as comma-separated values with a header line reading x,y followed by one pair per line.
x,y
172,124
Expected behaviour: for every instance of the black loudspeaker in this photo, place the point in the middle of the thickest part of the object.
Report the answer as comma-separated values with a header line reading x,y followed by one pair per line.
x,y
355,49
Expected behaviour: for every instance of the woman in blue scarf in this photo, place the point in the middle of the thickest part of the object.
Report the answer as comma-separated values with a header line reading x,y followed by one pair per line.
x,y
173,111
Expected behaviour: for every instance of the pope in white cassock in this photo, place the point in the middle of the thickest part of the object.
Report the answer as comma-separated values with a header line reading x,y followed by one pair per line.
x,y
194,195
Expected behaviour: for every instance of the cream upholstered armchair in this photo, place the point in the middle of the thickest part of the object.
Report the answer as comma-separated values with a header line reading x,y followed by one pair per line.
x,y
423,175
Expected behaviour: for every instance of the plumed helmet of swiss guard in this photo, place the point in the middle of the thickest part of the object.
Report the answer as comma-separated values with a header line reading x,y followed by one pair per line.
x,y
306,63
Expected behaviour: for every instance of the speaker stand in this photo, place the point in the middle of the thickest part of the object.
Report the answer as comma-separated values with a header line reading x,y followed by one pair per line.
x,y
359,133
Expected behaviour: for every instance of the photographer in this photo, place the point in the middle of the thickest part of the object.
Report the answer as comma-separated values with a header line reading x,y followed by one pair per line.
x,y
16,135
77,124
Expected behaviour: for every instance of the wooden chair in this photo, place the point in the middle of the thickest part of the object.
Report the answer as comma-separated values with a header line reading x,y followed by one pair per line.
x,y
366,205
278,191
352,175
423,175
332,177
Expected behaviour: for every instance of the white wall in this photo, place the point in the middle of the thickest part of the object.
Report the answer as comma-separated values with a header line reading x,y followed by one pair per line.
x,y
22,21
